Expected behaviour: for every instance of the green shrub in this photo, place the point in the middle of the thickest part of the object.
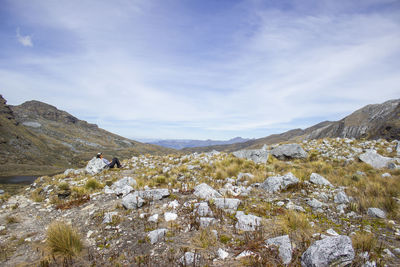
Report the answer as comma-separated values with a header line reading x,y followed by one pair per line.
x,y
63,186
93,184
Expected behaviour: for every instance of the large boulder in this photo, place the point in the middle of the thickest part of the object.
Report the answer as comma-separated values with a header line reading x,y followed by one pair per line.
x,y
377,161
205,191
315,178
121,187
256,155
95,166
277,183
284,247
289,151
330,251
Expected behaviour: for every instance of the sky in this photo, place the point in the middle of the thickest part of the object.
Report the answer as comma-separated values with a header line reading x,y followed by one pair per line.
x,y
206,69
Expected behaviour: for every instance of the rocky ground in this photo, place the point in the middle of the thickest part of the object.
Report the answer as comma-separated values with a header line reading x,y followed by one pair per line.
x,y
317,203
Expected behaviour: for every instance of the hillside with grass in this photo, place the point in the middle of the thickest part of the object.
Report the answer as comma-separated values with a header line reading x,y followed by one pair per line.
x,y
332,201
37,138
370,122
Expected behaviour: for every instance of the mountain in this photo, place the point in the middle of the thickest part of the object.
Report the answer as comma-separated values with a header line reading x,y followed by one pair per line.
x,y
37,138
184,143
370,122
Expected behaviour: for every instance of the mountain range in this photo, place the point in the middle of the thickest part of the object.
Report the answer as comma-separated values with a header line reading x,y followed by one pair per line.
x,y
37,138
185,143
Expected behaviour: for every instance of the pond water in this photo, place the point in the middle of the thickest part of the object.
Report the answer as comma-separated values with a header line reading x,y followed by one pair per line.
x,y
17,179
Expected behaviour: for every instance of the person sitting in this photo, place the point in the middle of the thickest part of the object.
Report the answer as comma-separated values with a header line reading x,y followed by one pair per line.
x,y
109,164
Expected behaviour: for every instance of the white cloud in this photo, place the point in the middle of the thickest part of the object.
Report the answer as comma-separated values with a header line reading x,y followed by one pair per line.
x,y
24,40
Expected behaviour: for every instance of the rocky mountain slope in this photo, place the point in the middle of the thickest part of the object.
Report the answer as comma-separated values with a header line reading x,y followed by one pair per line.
x,y
315,203
183,143
370,122
39,138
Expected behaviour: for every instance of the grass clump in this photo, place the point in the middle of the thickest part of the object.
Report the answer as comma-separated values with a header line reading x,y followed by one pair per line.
x,y
63,241
63,186
364,241
204,239
93,184
11,220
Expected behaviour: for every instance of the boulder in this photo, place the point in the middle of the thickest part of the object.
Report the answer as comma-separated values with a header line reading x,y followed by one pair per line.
x,y
205,222
289,151
247,222
277,183
315,178
341,198
132,201
153,218
202,209
154,194
95,166
377,161
314,203
256,155
205,191
1,191
284,247
228,204
377,213
222,254
170,216
330,251
156,235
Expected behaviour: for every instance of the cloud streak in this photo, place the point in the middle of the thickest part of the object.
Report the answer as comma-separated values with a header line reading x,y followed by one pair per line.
x,y
177,70
24,40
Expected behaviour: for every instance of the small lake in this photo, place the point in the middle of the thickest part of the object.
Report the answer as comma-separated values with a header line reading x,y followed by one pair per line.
x,y
17,179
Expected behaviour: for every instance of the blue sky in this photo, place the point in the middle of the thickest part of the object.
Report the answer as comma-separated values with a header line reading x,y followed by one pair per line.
x,y
201,69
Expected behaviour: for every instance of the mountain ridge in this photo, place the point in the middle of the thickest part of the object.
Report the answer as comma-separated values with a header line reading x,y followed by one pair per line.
x,y
185,143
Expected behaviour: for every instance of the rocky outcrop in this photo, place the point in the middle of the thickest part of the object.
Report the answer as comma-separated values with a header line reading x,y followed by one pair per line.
x,y
330,251
277,183
284,247
315,178
289,151
206,192
247,222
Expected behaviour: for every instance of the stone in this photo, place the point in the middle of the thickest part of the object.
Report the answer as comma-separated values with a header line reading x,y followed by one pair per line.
x,y
256,155
170,216
341,198
206,192
206,221
377,161
386,175
132,201
222,254
242,175
247,222
315,178
245,253
377,213
189,258
174,204
156,235
289,151
277,183
1,191
315,204
284,247
154,194
108,217
398,148
228,204
202,209
331,232
122,185
153,218
95,165
291,206
334,250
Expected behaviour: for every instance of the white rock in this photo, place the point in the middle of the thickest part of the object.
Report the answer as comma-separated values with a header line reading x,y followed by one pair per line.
x,y
315,178
284,246
153,218
377,161
222,254
291,206
256,155
331,232
170,216
341,198
289,151
336,250
315,204
95,166
154,194
244,175
206,221
375,212
132,201
174,204
386,175
157,235
228,204
277,183
108,216
246,253
189,258
247,222
205,191
203,210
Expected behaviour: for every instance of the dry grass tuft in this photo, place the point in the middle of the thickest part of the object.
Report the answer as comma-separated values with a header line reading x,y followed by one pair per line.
x,y
64,241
